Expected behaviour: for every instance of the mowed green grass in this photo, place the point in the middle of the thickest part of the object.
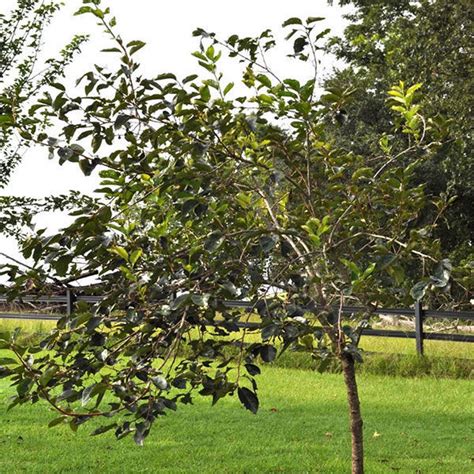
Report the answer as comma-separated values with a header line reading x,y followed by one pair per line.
x,y
411,426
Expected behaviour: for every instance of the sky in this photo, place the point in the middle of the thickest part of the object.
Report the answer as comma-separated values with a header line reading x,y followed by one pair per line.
x,y
167,28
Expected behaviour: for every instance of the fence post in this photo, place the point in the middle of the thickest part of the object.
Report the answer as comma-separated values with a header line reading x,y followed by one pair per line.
x,y
419,327
70,300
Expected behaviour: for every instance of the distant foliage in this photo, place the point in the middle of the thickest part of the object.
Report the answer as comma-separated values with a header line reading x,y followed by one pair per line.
x,y
425,42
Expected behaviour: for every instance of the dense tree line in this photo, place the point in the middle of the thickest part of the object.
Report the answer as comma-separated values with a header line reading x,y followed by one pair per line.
x,y
427,42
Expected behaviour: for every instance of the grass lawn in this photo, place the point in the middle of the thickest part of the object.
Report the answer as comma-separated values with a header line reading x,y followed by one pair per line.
x,y
411,426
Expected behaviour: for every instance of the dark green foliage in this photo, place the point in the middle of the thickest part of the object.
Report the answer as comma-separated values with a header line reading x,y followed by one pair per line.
x,y
248,398
423,42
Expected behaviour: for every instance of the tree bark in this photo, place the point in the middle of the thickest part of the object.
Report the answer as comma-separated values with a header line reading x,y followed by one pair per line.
x,y
356,423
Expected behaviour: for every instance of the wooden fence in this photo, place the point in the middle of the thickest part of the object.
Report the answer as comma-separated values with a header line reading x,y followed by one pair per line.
x,y
419,313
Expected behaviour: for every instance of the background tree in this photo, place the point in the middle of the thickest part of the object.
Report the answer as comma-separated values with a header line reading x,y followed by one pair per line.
x,y
426,42
25,74
214,190
21,32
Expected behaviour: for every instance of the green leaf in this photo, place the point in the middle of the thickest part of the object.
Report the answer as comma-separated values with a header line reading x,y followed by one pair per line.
x,y
210,52
120,251
199,55
228,88
418,291
24,387
98,13
364,172
268,353
200,300
249,399
270,331
66,395
135,46
265,99
252,369
61,265
57,421
293,83
441,274
356,272
87,166
127,272
180,301
135,255
411,90
189,78
47,375
87,394
323,365
323,33
292,21
160,383
84,10
6,120
299,44
111,50
368,271
205,93
267,243
265,80
121,120
103,429
314,19
164,76
73,425
141,433
213,242
77,149
4,344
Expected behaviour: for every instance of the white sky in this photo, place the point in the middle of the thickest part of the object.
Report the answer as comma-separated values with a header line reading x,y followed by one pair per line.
x,y
167,28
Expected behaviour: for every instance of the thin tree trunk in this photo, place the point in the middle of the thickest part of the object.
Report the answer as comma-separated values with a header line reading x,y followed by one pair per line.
x,y
348,369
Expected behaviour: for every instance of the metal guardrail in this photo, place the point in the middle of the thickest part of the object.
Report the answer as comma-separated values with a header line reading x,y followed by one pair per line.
x,y
418,312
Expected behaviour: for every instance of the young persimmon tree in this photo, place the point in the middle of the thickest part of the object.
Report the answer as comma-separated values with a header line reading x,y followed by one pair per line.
x,y
208,194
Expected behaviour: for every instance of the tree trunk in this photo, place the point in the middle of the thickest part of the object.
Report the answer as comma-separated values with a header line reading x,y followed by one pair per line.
x,y
357,436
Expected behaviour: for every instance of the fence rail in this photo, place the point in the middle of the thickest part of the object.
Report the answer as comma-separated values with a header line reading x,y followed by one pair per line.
x,y
418,312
